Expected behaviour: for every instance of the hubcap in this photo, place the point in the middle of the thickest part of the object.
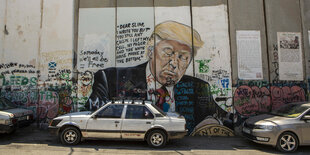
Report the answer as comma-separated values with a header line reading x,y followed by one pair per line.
x,y
287,142
70,136
157,139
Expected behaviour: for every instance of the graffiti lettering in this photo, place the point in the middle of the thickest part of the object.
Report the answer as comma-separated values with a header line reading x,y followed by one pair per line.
x,y
253,100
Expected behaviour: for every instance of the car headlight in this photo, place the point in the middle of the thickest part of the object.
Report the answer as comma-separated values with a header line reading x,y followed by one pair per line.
x,y
265,126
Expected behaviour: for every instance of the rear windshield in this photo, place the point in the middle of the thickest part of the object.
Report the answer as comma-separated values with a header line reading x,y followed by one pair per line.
x,y
159,110
6,104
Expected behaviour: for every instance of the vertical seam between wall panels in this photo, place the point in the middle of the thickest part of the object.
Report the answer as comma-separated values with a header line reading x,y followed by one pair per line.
x,y
115,51
154,45
192,30
76,17
40,33
115,35
230,48
267,44
302,42
39,56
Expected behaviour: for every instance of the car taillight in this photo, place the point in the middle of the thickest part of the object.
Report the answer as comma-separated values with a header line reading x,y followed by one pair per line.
x,y
13,120
30,117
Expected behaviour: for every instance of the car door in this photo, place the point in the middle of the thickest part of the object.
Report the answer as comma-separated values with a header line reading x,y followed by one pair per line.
x,y
305,129
106,123
138,119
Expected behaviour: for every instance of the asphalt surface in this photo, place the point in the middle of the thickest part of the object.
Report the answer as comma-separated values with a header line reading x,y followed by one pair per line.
x,y
31,140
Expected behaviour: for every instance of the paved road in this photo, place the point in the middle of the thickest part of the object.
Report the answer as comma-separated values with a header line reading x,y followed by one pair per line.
x,y
31,140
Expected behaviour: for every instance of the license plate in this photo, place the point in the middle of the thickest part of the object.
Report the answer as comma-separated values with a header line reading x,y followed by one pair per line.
x,y
246,130
22,118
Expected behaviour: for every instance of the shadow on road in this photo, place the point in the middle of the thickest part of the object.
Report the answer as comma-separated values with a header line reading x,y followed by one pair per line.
x,y
33,135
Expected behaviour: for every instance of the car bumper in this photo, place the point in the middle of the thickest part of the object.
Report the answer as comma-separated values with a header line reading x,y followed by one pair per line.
x,y
7,128
53,130
177,134
25,122
268,137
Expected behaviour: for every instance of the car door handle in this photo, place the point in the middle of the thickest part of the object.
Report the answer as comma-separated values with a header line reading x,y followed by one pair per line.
x,y
116,122
148,122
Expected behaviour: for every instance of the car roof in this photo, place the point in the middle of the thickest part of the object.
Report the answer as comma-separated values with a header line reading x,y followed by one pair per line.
x,y
134,102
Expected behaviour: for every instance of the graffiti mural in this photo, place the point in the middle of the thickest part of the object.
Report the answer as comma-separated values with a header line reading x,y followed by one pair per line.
x,y
162,78
258,97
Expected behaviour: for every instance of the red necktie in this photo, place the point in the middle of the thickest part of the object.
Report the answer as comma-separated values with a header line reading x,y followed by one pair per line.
x,y
161,94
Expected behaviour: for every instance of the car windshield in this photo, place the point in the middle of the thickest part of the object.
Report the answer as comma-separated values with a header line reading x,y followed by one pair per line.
x,y
292,110
6,104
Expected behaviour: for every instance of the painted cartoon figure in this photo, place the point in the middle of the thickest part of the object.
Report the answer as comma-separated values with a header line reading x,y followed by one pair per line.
x,y
162,78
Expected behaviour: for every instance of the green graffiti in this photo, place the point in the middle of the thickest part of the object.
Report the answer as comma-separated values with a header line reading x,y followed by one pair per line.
x,y
219,91
203,65
19,81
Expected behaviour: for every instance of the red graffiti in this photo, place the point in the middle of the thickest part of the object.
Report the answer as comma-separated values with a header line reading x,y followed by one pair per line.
x,y
250,100
47,110
281,96
254,100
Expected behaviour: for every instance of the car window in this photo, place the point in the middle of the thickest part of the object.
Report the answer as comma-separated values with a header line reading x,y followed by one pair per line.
x,y
2,107
111,111
292,110
6,104
138,112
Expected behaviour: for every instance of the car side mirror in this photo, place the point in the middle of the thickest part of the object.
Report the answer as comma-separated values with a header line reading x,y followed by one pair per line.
x,y
306,117
95,116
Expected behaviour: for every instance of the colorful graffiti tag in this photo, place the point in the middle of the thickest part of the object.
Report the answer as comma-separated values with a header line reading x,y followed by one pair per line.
x,y
250,100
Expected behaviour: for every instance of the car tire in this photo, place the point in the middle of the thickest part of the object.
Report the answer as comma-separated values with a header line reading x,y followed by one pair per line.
x,y
157,139
70,136
287,142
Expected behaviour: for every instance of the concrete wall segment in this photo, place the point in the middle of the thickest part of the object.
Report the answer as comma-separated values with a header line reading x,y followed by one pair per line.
x,y
247,15
96,3
281,16
23,29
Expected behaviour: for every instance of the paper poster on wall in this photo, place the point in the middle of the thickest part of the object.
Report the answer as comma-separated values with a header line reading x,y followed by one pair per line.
x,y
249,55
290,56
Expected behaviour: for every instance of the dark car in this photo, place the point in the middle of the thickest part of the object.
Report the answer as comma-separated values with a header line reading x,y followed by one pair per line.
x,y
12,117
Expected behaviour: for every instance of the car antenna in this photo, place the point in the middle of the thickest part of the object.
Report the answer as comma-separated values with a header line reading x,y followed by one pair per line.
x,y
143,102
123,101
133,101
113,101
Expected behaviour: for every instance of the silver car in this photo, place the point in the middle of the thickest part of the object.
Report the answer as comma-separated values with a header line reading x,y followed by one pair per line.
x,y
128,120
12,117
285,128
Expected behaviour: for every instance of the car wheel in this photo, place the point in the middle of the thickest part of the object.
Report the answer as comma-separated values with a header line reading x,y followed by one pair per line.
x,y
287,142
157,139
70,136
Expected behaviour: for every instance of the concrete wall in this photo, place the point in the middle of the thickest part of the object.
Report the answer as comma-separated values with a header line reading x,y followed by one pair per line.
x,y
54,52
36,55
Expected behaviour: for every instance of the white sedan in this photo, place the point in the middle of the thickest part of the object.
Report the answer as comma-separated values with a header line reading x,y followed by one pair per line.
x,y
130,120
